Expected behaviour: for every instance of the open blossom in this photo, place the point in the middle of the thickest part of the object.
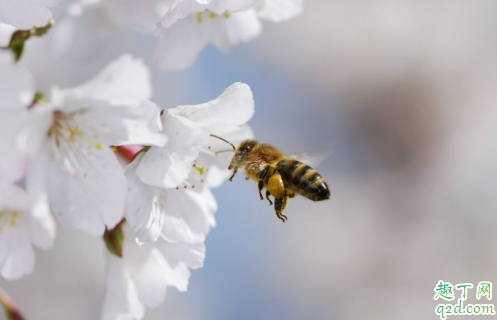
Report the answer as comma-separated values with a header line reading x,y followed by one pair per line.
x,y
184,27
21,226
68,143
189,25
169,193
25,14
180,44
140,278
169,204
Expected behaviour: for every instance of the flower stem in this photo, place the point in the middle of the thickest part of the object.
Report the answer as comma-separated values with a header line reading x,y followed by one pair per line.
x,y
10,308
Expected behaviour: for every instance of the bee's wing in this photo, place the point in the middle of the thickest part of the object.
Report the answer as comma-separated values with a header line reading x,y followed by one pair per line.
x,y
312,159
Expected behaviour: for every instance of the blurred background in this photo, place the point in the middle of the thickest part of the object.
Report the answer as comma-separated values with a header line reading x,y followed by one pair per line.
x,y
404,96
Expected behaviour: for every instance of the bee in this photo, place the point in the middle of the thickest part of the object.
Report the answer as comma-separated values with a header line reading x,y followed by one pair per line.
x,y
283,177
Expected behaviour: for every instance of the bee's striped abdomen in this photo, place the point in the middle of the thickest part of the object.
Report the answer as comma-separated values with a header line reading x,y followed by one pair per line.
x,y
302,179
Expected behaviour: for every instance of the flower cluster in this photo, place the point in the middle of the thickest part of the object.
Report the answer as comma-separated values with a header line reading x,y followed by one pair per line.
x,y
62,150
185,27
60,159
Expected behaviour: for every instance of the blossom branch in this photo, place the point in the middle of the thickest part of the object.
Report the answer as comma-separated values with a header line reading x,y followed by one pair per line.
x,y
10,308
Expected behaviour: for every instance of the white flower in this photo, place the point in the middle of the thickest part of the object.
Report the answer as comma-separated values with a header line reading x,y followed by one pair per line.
x,y
140,278
69,142
21,227
189,25
180,9
180,44
168,195
184,29
25,14
16,93
178,215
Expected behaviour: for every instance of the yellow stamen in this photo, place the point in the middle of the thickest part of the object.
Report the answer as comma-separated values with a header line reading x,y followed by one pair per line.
x,y
199,17
212,15
14,215
200,169
226,15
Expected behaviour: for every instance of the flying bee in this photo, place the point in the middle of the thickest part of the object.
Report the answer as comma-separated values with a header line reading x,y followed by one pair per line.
x,y
283,177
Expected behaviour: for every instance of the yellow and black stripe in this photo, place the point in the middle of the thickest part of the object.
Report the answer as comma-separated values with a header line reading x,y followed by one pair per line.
x,y
302,179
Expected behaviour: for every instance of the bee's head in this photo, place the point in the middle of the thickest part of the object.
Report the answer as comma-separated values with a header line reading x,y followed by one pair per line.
x,y
242,152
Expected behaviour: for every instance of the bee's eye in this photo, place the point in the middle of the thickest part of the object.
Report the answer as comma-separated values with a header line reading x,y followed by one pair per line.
x,y
246,148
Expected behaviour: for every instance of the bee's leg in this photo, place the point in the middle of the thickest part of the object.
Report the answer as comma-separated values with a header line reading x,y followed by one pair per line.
x,y
262,176
233,175
264,173
267,197
279,206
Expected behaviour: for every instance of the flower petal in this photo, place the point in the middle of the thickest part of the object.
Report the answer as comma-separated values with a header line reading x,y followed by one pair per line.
x,y
241,27
147,269
152,273
16,93
6,31
140,15
143,210
170,165
20,258
190,216
87,187
12,162
182,8
234,107
42,224
192,255
125,81
121,297
280,10
119,125
16,251
16,85
24,14
12,196
33,134
180,45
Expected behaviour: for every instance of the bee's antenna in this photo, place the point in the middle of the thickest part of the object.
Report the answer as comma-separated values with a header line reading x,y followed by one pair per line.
x,y
218,152
224,141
